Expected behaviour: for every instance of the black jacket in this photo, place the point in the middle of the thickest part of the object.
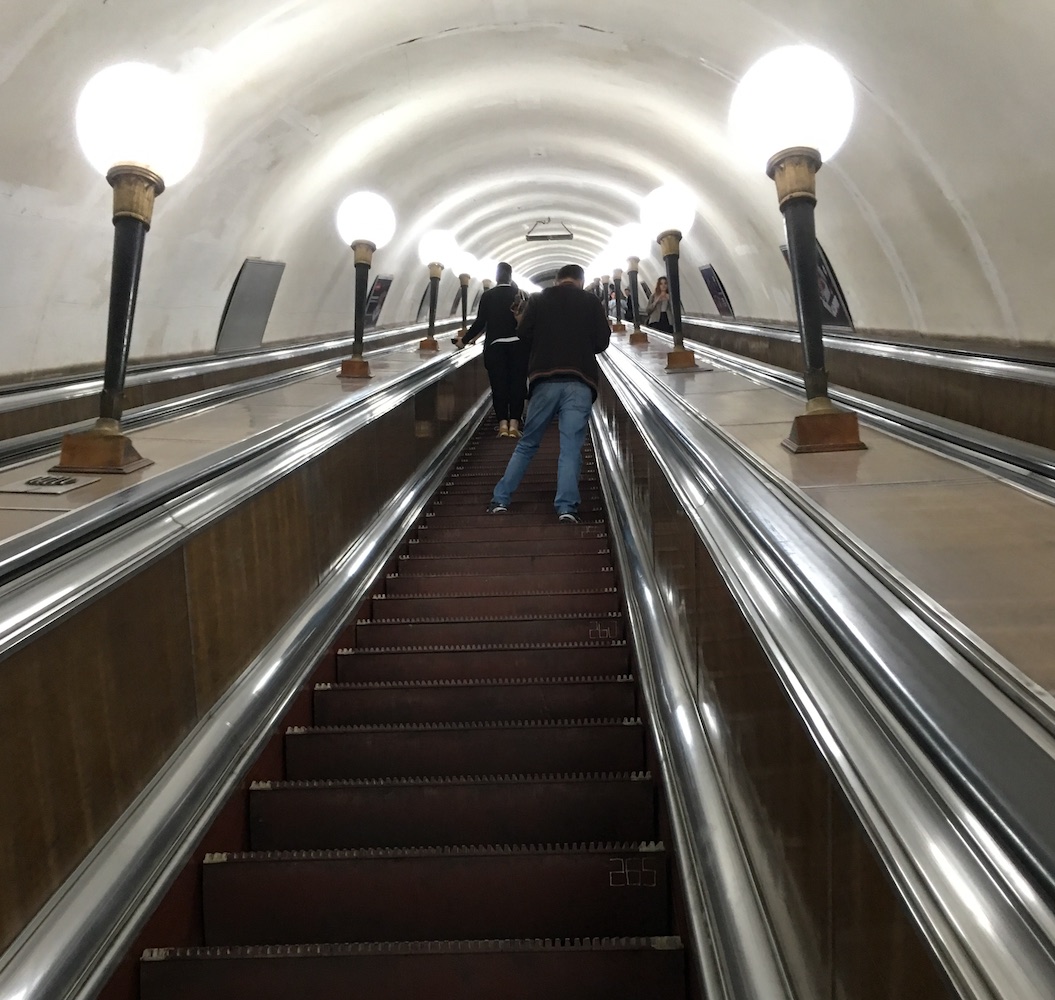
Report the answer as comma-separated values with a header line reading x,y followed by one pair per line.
x,y
564,327
494,316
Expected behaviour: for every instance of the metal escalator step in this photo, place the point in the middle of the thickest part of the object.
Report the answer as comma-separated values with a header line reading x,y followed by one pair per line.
x,y
500,529
499,582
488,809
571,659
476,605
539,562
564,890
425,750
580,969
553,542
471,700
524,628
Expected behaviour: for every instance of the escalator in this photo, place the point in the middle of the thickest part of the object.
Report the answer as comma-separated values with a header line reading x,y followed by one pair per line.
x,y
472,813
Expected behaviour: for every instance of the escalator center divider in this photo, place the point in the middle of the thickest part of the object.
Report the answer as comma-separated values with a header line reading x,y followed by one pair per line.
x,y
470,814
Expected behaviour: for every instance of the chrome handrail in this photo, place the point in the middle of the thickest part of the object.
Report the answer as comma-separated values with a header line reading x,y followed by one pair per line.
x,y
57,390
952,359
38,545
734,944
38,444
73,945
939,766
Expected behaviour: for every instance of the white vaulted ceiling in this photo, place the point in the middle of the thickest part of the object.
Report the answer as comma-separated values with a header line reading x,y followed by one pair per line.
x,y
484,116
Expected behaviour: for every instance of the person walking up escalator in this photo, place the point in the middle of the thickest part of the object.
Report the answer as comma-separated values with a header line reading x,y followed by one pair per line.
x,y
505,356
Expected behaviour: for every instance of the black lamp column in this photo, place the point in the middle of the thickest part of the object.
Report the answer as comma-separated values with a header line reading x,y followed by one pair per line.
x,y
618,326
429,343
822,427
670,244
638,336
464,280
357,366
606,293
104,448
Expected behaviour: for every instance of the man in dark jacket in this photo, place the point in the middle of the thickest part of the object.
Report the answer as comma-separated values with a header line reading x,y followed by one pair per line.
x,y
564,328
505,357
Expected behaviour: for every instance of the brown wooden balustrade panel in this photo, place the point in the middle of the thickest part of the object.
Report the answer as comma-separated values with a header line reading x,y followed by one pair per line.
x,y
246,575
90,711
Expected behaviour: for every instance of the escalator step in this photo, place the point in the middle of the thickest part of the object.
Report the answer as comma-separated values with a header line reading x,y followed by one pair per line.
x,y
468,700
571,659
427,750
490,809
553,542
597,969
391,607
578,890
511,530
371,634
539,562
476,517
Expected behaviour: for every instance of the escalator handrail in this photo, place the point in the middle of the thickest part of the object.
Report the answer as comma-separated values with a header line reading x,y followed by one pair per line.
x,y
951,825
953,359
733,943
151,520
38,444
73,945
57,390
1028,466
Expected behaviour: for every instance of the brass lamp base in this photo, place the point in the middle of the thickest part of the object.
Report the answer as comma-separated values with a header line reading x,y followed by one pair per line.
x,y
618,328
638,337
355,368
823,428
429,344
680,359
100,450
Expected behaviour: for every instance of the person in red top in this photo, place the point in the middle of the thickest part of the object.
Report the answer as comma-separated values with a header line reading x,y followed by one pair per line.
x,y
564,328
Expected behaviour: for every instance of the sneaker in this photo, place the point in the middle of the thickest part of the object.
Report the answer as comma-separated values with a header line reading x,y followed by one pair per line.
x,y
494,507
569,517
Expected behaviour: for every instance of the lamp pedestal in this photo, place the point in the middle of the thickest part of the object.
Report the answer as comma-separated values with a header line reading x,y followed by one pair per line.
x,y
104,449
822,427
617,278
429,343
357,366
680,358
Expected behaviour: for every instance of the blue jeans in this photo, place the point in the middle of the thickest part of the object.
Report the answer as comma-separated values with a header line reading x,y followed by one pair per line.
x,y
571,403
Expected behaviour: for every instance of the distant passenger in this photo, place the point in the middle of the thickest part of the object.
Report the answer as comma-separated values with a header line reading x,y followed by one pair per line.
x,y
659,313
564,328
505,356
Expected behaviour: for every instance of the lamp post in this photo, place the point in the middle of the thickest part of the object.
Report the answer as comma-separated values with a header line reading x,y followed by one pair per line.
x,y
488,284
463,280
638,336
617,278
365,222
606,294
793,138
671,209
435,246
138,126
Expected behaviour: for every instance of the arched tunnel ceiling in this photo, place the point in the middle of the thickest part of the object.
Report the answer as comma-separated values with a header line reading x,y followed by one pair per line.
x,y
483,116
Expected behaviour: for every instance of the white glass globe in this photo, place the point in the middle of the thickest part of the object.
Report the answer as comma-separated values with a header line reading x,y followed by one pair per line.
x,y
670,206
437,246
793,96
137,113
631,240
366,216
463,262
